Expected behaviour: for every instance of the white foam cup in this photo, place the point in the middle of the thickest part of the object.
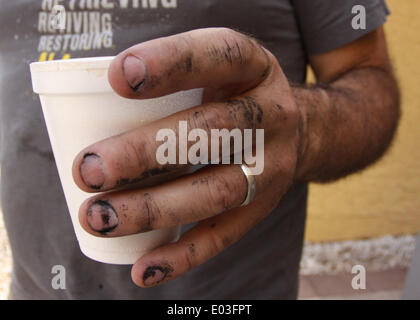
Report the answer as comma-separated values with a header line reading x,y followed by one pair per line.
x,y
80,108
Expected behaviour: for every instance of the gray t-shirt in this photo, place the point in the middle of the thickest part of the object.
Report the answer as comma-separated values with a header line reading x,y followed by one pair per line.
x,y
264,264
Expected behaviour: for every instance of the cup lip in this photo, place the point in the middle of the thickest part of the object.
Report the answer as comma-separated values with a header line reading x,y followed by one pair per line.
x,y
72,64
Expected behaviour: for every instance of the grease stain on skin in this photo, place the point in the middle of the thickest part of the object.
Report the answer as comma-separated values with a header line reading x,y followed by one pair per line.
x,y
102,217
185,66
146,174
228,53
248,108
122,182
215,54
156,274
153,82
188,63
200,181
138,86
282,111
156,171
191,249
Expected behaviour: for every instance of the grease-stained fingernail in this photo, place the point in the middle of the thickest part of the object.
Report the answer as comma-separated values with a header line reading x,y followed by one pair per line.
x,y
134,71
92,171
153,275
102,217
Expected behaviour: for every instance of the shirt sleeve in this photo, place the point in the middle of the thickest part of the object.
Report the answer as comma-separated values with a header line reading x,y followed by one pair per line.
x,y
327,24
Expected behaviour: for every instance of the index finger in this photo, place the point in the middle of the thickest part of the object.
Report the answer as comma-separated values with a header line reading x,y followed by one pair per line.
x,y
206,58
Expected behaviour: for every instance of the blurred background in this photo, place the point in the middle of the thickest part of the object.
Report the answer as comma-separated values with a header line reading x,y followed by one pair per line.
x,y
369,219
385,198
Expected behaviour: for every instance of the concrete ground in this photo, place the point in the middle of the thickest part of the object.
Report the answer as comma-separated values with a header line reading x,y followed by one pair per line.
x,y
380,285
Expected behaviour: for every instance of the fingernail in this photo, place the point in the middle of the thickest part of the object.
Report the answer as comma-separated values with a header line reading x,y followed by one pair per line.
x,y
155,274
92,171
134,72
102,217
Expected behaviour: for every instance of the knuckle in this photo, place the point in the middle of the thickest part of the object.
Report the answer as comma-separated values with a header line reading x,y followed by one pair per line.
x,y
207,119
173,46
222,192
246,49
286,115
234,48
279,112
245,112
136,154
189,257
237,52
184,56
216,244
149,213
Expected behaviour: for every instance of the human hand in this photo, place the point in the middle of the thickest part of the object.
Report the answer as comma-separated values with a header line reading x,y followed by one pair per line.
x,y
245,88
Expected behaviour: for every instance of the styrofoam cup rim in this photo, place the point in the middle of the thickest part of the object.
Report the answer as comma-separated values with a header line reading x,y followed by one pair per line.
x,y
72,64
71,76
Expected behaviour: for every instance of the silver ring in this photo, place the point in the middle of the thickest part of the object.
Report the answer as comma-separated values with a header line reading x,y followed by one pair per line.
x,y
251,185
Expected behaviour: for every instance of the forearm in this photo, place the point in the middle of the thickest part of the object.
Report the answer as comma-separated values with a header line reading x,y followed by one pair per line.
x,y
347,124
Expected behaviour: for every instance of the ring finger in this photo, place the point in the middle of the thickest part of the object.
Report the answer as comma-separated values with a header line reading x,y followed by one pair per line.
x,y
195,197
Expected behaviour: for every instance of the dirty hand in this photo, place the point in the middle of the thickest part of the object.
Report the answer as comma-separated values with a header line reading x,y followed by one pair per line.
x,y
245,88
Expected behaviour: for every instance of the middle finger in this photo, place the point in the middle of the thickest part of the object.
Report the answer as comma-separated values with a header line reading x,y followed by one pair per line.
x,y
130,157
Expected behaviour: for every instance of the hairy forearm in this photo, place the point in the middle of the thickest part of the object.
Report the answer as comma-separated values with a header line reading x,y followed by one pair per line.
x,y
346,124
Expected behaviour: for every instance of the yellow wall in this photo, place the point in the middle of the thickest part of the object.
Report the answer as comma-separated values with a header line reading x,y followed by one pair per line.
x,y
385,199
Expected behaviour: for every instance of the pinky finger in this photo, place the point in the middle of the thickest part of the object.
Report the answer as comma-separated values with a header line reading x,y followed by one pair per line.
x,y
208,238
